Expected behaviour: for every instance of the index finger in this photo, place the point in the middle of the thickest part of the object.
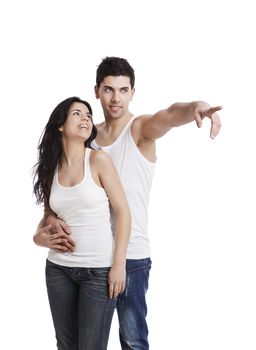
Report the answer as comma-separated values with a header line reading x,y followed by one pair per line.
x,y
212,110
47,229
65,227
111,290
58,228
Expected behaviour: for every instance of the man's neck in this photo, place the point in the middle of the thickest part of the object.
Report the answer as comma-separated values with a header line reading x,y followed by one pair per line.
x,y
114,124
110,130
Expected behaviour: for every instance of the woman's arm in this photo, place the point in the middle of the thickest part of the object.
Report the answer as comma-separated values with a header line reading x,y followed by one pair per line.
x,y
103,166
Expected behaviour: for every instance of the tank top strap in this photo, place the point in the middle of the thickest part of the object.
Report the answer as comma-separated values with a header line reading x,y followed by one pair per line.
x,y
87,167
126,131
128,125
87,171
87,156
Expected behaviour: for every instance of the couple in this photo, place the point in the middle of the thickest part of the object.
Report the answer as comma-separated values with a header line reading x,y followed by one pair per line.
x,y
88,274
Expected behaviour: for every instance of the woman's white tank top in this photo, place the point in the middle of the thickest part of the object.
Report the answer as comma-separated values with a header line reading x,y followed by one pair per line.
x,y
85,209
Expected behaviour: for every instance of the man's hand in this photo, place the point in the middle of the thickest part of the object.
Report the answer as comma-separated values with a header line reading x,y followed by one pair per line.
x,y
57,224
149,128
45,237
60,228
202,110
54,233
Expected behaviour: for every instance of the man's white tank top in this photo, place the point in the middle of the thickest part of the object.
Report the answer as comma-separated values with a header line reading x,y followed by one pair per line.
x,y
85,209
136,175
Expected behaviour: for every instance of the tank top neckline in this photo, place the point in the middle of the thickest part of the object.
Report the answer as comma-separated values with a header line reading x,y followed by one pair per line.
x,y
121,133
86,165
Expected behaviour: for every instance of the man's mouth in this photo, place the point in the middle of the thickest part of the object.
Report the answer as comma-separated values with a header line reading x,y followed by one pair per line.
x,y
115,108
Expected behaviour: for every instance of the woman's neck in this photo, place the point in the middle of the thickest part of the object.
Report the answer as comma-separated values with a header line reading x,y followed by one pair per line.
x,y
72,154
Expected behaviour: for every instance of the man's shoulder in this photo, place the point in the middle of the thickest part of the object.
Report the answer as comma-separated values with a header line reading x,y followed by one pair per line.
x,y
100,126
138,122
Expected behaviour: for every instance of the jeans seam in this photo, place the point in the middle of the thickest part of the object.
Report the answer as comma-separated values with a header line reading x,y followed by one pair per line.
x,y
148,266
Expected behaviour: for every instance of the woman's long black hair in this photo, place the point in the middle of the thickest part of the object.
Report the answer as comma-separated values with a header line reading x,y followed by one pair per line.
x,y
50,148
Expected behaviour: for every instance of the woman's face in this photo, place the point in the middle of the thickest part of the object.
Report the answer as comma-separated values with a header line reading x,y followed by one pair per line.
x,y
78,123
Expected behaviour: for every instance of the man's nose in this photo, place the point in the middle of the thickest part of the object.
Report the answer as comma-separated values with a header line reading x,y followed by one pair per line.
x,y
116,96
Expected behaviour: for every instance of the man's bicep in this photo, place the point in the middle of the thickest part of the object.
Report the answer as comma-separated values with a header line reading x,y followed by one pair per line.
x,y
154,126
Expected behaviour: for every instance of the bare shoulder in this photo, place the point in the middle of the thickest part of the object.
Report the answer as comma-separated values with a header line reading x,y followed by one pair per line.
x,y
140,119
100,126
137,126
99,158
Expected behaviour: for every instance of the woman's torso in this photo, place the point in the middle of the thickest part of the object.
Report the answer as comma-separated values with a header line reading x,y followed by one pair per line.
x,y
84,207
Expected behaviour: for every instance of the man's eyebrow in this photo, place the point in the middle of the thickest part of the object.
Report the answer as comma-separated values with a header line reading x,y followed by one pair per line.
x,y
122,87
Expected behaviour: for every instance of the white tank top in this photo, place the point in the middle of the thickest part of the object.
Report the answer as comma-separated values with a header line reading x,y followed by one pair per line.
x,y
136,175
85,209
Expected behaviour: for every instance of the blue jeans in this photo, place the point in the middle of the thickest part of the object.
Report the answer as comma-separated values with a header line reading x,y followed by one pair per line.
x,y
81,309
132,307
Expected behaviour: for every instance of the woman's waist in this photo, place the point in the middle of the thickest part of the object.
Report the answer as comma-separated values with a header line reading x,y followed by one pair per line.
x,y
88,236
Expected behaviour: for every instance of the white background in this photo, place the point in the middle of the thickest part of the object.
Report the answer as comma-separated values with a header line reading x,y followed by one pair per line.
x,y
202,221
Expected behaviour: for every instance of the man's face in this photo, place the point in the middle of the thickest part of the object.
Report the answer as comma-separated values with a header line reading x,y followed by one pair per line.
x,y
115,94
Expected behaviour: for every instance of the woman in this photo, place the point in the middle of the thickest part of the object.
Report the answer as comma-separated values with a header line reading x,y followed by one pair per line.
x,y
78,183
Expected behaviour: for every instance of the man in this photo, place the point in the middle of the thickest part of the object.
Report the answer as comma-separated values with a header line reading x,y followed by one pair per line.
x,y
131,143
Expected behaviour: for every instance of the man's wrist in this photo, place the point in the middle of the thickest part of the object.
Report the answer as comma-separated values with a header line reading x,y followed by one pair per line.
x,y
50,216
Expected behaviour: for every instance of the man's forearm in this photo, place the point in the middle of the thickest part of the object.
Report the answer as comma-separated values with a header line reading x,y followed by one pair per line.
x,y
181,113
178,114
41,224
48,212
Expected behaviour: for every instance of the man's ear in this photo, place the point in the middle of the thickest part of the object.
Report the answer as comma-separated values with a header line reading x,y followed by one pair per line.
x,y
133,91
96,90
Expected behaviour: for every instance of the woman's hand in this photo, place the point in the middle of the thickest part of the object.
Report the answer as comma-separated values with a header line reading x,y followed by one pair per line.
x,y
116,280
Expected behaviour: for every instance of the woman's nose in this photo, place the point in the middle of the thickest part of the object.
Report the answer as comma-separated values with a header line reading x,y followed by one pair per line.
x,y
84,117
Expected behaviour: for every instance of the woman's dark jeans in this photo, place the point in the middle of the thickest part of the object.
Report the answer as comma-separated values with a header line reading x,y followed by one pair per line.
x,y
81,309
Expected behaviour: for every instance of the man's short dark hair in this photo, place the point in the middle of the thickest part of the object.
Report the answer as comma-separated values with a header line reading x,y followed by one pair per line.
x,y
114,66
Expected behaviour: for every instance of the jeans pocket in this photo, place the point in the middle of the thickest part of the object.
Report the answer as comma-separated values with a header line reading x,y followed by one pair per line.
x,y
136,265
100,271
56,276
96,286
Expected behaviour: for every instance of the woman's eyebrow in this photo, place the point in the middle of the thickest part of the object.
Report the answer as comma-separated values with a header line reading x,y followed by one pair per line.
x,y
79,110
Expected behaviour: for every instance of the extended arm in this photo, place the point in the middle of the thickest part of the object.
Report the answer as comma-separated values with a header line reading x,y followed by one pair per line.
x,y
156,125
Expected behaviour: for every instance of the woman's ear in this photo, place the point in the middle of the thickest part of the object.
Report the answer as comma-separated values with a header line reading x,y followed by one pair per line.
x,y
61,128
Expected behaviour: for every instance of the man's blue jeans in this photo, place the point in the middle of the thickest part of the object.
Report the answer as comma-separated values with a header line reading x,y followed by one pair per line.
x,y
81,309
132,307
